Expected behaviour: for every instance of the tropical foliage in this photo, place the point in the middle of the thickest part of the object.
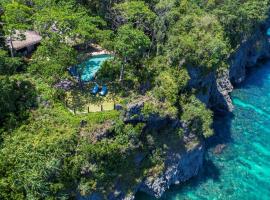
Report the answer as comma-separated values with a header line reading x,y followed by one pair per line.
x,y
46,152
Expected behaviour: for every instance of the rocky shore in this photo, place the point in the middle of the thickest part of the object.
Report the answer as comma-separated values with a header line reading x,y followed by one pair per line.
x,y
214,88
216,91
249,54
179,168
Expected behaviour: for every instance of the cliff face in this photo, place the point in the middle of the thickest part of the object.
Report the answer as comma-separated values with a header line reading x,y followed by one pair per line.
x,y
183,159
215,92
181,163
178,168
212,90
249,54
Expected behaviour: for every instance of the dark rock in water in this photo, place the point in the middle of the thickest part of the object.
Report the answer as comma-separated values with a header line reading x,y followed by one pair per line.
x,y
244,164
219,148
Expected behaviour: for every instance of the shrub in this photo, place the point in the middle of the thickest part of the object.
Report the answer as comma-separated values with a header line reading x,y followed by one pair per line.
x,y
198,117
8,66
169,84
17,97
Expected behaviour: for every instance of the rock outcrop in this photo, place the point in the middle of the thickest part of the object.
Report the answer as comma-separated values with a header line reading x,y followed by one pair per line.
x,y
249,54
178,168
180,164
215,92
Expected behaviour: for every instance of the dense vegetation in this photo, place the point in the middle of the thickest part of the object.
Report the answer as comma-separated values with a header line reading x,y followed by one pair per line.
x,y
48,153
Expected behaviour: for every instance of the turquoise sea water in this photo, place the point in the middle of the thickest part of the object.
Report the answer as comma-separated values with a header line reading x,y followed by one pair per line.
x,y
242,170
92,65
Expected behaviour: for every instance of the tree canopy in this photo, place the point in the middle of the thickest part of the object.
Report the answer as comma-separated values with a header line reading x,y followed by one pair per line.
x,y
47,151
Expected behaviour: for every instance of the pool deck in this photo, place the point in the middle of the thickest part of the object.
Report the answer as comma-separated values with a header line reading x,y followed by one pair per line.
x,y
98,51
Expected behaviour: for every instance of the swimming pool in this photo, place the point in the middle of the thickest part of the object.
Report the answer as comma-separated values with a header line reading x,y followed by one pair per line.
x,y
91,66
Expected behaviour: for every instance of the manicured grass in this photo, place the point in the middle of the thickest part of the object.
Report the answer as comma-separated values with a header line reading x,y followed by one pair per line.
x,y
84,102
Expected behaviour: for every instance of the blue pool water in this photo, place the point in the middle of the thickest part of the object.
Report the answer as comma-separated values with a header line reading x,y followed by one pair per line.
x,y
91,66
242,170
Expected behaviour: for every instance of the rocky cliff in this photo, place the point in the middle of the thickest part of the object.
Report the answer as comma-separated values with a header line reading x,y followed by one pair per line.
x,y
248,54
180,164
179,167
215,92
183,159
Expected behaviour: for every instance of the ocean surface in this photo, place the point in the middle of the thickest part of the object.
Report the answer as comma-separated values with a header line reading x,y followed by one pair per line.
x,y
242,170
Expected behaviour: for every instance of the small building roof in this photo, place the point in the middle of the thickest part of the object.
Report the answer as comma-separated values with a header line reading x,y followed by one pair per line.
x,y
29,38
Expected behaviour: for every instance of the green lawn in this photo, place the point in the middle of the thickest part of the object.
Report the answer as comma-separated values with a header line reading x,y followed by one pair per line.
x,y
83,101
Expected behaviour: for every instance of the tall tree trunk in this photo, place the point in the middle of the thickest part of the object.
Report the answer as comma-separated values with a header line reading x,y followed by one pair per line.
x,y
122,70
